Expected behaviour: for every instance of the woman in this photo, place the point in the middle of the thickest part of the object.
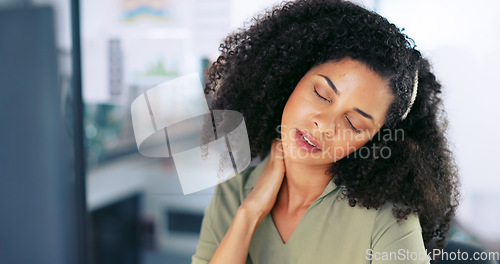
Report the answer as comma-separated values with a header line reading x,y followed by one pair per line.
x,y
360,173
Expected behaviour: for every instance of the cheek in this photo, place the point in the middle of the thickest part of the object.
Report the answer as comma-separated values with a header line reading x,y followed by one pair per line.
x,y
293,106
300,103
342,146
296,114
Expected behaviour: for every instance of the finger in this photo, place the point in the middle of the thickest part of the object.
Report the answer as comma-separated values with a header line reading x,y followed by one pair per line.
x,y
277,150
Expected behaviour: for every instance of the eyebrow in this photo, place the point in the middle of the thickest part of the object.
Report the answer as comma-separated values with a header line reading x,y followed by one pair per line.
x,y
363,113
330,83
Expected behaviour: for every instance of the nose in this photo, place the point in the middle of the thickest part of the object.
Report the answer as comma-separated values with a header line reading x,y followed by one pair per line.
x,y
325,127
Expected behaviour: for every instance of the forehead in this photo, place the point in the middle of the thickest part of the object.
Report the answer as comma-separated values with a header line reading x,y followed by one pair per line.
x,y
358,85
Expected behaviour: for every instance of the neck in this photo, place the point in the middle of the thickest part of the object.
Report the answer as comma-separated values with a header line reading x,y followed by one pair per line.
x,y
302,185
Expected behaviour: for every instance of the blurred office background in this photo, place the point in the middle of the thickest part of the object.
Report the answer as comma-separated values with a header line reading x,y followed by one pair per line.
x,y
136,210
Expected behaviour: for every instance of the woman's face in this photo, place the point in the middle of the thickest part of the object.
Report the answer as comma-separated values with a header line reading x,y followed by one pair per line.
x,y
334,110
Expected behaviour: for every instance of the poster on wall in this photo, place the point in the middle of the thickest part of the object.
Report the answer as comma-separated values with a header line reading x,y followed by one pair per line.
x,y
131,44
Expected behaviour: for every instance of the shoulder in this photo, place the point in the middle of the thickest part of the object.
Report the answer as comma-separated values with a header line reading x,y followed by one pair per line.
x,y
226,200
238,187
233,190
229,195
387,227
385,216
397,240
381,223
220,212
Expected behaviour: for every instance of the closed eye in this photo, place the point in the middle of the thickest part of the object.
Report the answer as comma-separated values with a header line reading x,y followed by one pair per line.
x,y
318,95
355,129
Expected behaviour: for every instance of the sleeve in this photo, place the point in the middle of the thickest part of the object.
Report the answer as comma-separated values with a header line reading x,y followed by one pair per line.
x,y
218,216
207,244
397,242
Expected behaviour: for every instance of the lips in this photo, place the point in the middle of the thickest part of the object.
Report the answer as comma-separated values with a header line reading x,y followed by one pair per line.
x,y
306,142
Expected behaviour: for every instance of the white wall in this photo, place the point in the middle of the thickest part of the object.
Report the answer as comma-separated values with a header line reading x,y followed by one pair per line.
x,y
462,39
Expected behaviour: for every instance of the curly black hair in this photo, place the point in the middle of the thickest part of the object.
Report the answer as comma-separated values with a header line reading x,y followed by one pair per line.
x,y
259,67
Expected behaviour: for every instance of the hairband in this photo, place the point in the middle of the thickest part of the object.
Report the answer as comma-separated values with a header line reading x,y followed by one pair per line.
x,y
413,95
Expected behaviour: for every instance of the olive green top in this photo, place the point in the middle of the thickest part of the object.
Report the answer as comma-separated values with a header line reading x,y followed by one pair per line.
x,y
330,231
